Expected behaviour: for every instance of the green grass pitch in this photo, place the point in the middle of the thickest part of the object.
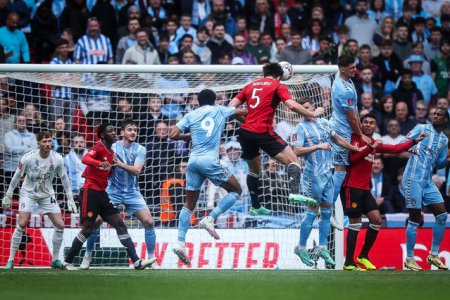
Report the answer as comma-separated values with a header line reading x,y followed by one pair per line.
x,y
214,285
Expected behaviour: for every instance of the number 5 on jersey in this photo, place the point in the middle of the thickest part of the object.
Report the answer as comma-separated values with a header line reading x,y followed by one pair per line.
x,y
255,96
208,125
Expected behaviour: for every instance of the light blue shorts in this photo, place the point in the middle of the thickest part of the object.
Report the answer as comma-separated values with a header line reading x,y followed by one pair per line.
x,y
339,155
133,201
320,188
420,193
200,168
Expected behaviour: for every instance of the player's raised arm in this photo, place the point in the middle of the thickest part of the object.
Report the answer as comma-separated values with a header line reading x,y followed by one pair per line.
x,y
298,108
344,144
235,102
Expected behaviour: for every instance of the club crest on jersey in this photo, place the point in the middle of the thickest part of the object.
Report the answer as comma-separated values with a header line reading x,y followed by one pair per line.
x,y
91,152
294,137
350,102
20,166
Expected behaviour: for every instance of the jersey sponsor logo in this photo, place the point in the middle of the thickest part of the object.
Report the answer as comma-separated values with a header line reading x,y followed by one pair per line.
x,y
91,152
20,166
350,102
97,52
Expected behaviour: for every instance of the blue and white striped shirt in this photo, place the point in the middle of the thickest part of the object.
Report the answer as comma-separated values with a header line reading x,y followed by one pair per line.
x,y
89,51
344,98
120,180
308,134
431,153
61,92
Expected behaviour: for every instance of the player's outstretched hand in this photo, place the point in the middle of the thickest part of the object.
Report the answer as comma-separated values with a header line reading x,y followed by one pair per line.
x,y
6,202
420,138
319,111
106,166
72,206
376,144
324,146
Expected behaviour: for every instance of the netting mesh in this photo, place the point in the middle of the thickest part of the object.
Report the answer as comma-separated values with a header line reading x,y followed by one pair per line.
x,y
71,105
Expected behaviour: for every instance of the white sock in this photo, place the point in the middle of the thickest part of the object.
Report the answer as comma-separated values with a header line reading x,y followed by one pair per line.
x,y
57,241
15,242
181,243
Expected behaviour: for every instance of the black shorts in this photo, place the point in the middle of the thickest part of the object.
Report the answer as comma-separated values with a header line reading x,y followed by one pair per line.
x,y
251,142
94,203
357,202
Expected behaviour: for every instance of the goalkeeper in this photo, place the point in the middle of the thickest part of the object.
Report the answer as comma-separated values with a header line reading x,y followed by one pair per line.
x,y
39,167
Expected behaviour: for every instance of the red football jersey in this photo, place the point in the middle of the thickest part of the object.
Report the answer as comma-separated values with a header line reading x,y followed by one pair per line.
x,y
360,169
96,178
262,97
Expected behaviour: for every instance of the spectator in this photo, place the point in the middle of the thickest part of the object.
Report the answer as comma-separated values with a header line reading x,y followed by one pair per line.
x,y
294,53
385,31
74,17
59,128
266,41
67,35
286,32
4,11
310,40
198,9
123,14
274,186
419,34
381,187
239,50
317,13
199,47
367,103
143,52
220,16
361,27
44,32
402,46
6,124
393,135
420,115
262,17
163,49
132,12
149,118
241,27
423,81
394,8
106,16
351,48
73,164
377,11
390,65
217,43
406,18
281,16
124,110
127,41
13,41
186,42
185,27
298,14
367,85
34,122
20,8
401,113
432,48
260,53
153,13
225,59
93,47
407,91
399,195
386,108
280,44
440,67
417,49
188,57
17,142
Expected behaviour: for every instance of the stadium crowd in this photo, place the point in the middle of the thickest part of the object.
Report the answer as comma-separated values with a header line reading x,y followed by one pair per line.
x,y
402,50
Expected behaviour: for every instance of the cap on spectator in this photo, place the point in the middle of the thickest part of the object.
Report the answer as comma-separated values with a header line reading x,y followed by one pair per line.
x,y
415,58
237,61
232,144
134,8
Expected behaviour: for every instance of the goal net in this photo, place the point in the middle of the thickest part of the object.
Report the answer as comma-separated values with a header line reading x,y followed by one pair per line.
x,y
71,101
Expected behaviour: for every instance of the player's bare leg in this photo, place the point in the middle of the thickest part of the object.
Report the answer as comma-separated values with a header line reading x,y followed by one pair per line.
x,y
57,239
371,236
440,216
183,226
16,239
288,158
90,242
145,217
253,176
86,230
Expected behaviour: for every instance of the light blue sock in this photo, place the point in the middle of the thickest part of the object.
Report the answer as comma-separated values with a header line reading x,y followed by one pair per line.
x,y
338,179
438,232
91,240
324,225
226,202
183,224
305,228
150,240
411,232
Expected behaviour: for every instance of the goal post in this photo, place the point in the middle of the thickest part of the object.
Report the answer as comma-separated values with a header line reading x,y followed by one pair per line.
x,y
156,97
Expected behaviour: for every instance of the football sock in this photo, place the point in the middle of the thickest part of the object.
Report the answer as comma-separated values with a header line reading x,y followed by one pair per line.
x,y
324,225
91,241
352,236
371,236
226,202
126,241
306,226
411,232
183,223
253,188
15,241
294,172
150,240
57,239
77,243
338,179
438,232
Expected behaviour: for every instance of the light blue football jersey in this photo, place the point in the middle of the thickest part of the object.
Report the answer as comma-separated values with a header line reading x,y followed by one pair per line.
x,y
343,98
308,134
120,180
432,152
206,125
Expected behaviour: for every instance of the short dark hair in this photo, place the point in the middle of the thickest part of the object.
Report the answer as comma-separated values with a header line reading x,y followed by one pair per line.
x,y
386,43
102,128
43,135
345,60
61,42
273,70
365,47
441,108
127,122
206,97
369,115
407,72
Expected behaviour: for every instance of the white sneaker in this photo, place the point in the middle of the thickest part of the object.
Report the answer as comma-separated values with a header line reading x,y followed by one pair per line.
x,y
86,262
69,267
154,265
208,224
180,251
335,224
143,263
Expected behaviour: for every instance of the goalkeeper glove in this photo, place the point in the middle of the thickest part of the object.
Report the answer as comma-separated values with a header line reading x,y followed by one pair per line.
x,y
71,205
6,202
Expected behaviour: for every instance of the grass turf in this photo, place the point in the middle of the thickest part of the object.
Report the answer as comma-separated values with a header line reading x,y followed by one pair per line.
x,y
215,285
